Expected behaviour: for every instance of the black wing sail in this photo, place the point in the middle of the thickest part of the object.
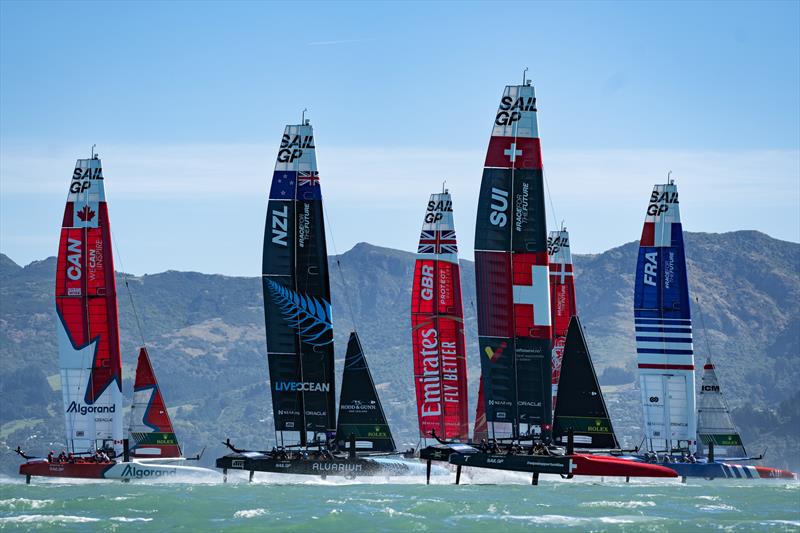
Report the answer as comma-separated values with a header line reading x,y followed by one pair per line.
x,y
580,403
297,292
360,410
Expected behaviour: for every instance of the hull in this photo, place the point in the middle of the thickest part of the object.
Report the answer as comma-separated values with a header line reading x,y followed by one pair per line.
x,y
566,465
121,470
717,470
340,467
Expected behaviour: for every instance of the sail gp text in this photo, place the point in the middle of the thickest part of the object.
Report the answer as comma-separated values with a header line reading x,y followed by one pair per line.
x,y
292,147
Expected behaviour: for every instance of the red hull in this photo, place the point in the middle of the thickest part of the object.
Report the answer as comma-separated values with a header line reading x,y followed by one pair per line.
x,y
75,470
594,465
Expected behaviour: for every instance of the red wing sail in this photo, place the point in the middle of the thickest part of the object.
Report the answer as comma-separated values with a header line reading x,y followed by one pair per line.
x,y
562,297
151,427
86,303
512,274
437,319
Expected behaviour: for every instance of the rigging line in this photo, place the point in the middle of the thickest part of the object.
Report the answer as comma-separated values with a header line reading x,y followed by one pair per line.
x,y
339,269
544,175
127,286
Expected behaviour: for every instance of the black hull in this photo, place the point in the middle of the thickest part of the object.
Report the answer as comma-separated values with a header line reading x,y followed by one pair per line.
x,y
539,464
341,467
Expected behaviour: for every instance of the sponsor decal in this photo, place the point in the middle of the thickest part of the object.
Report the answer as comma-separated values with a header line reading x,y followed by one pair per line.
x,y
599,426
359,406
436,210
554,245
237,463
659,203
302,386
75,407
82,179
710,388
134,471
440,374
511,109
304,225
653,399
292,147
499,206
521,213
336,467
495,353
280,225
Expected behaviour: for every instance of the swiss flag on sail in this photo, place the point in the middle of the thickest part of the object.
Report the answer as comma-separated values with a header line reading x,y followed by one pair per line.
x,y
516,152
531,277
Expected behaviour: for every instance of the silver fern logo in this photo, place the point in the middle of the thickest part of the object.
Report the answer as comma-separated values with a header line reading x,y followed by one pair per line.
x,y
310,316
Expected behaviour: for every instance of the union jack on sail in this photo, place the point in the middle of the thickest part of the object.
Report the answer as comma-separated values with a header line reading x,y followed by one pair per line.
x,y
437,242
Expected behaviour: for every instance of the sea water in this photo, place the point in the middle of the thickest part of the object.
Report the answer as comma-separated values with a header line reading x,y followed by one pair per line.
x,y
485,501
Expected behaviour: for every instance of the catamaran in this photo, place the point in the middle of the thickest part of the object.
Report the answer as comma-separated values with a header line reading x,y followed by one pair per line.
x,y
300,351
514,314
89,356
665,354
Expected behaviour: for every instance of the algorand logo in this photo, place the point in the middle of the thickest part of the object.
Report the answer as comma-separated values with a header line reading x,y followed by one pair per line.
x,y
75,407
131,470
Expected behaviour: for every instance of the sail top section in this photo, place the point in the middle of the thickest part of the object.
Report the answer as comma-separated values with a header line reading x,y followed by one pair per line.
x,y
296,176
663,217
515,135
437,239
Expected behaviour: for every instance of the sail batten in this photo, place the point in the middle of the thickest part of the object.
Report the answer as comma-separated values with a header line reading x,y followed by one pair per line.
x,y
437,320
662,319
512,275
296,287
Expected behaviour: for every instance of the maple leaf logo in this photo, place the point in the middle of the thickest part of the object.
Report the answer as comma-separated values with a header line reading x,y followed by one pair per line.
x,y
86,214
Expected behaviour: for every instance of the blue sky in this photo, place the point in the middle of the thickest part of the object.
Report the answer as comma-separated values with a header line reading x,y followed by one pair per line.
x,y
187,102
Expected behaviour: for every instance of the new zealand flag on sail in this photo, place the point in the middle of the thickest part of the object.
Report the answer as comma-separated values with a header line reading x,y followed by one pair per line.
x,y
284,185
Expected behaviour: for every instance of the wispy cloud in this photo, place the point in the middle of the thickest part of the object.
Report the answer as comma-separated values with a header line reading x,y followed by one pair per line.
x,y
377,194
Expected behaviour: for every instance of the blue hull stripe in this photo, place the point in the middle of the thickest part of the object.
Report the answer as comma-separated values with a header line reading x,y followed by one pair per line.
x,y
664,339
666,352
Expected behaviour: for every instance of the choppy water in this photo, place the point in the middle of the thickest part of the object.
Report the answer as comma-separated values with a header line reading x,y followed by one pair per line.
x,y
482,504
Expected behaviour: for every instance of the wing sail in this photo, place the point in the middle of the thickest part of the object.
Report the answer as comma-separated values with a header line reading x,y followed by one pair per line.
x,y
437,320
663,323
88,328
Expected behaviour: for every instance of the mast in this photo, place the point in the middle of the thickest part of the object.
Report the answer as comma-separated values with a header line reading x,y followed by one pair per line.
x,y
511,269
437,320
662,317
562,297
296,286
88,328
